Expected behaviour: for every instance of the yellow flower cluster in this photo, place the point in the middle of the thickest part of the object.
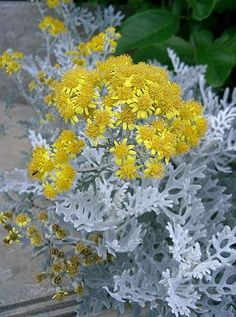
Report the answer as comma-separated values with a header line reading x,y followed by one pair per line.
x,y
103,42
9,61
134,110
52,166
18,228
55,3
52,26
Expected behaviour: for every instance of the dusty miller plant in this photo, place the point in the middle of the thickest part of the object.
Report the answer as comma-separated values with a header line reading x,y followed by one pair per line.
x,y
166,247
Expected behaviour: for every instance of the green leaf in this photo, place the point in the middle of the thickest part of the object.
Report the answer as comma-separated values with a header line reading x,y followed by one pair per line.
x,y
201,36
228,40
224,5
159,51
178,6
201,8
219,61
142,29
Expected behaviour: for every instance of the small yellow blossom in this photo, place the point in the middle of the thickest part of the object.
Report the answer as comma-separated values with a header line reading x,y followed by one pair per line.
x,y
126,118
9,215
60,294
144,133
79,289
53,3
52,26
59,231
22,219
142,106
40,277
32,85
154,169
12,237
103,118
63,183
49,191
94,131
122,151
48,99
32,230
128,170
43,216
3,218
36,240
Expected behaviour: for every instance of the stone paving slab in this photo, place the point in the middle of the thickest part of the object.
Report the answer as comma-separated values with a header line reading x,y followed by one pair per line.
x,y
19,31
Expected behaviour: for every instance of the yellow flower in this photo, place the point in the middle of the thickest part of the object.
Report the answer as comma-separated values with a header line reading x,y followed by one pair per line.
x,y
43,216
79,289
41,163
36,240
142,105
59,231
62,183
190,109
40,277
61,156
75,147
144,133
49,191
68,171
9,215
103,118
22,219
3,218
126,118
163,145
13,236
65,136
60,294
128,170
154,169
94,131
122,151
74,96
53,3
32,230
48,99
32,85
201,126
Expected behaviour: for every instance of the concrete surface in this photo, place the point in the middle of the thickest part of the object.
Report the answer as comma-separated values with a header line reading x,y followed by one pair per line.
x,y
19,31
